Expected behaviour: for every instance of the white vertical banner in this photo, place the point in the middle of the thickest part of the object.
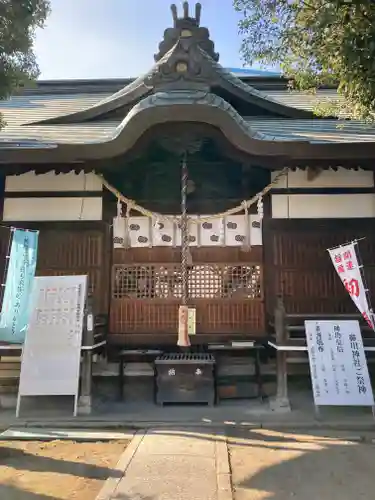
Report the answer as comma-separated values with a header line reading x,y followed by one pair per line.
x,y
338,365
345,261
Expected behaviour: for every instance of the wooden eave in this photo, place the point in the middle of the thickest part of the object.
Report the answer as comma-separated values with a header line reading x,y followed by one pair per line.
x,y
190,109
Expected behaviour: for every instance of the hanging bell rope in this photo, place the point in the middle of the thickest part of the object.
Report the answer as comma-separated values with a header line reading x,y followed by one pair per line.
x,y
126,226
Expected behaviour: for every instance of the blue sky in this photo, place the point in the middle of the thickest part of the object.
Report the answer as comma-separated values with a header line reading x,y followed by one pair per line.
x,y
117,38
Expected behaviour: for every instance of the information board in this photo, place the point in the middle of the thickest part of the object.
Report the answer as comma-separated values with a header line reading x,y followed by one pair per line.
x,y
338,364
52,350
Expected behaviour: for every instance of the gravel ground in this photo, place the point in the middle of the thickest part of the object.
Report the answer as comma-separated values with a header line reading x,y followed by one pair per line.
x,y
268,465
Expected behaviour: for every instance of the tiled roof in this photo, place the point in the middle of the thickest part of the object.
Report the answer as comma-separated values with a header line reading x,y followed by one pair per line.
x,y
61,134
29,108
25,109
318,131
270,129
303,100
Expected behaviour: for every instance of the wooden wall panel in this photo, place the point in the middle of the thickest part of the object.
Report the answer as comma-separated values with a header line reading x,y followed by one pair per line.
x,y
214,317
202,254
298,266
73,249
74,252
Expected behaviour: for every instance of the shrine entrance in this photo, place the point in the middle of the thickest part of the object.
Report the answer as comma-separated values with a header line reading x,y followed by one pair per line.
x,y
170,249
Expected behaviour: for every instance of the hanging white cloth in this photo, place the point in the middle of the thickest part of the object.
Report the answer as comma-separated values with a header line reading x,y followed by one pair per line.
x,y
121,237
247,242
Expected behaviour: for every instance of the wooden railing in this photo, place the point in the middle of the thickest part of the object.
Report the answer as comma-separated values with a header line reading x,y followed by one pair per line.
x,y
290,328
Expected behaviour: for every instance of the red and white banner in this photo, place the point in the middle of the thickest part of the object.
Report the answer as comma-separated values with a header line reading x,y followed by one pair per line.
x,y
345,260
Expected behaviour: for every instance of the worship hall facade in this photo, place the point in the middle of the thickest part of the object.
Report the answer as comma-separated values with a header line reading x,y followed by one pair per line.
x,y
68,146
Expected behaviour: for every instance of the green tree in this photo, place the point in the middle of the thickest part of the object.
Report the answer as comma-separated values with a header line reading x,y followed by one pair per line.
x,y
315,43
18,21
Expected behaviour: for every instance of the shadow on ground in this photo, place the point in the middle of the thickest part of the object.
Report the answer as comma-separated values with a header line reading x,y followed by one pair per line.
x,y
265,464
22,460
279,466
14,493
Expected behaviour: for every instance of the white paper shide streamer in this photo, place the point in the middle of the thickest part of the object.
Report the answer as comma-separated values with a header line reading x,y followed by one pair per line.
x,y
260,208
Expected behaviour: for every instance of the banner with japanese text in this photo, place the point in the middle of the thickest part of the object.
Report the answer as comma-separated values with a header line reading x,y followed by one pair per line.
x,y
16,305
345,261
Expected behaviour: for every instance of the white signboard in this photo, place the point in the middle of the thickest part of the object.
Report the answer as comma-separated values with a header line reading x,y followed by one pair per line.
x,y
338,364
52,350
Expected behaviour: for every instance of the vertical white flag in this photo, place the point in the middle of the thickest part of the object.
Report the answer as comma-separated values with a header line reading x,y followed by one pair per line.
x,y
345,261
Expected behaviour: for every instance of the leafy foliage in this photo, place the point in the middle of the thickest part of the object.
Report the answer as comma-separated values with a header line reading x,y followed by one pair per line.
x,y
18,22
315,43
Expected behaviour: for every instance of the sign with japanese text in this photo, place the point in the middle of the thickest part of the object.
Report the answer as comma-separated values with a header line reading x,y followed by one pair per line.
x,y
52,351
345,261
338,365
186,325
192,321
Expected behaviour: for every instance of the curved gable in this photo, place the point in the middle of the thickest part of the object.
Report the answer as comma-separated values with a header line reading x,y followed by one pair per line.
x,y
186,61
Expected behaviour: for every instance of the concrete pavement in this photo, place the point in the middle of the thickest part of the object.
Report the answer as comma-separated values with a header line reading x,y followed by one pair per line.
x,y
172,465
246,413
247,464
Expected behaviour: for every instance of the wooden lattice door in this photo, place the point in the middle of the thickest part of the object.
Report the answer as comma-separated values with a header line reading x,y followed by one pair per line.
x,y
225,287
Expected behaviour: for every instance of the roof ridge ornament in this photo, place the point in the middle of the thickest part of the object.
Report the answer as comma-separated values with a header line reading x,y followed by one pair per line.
x,y
196,20
184,67
186,26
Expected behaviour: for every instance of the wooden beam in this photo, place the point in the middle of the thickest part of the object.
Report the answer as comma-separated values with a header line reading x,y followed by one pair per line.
x,y
323,190
53,194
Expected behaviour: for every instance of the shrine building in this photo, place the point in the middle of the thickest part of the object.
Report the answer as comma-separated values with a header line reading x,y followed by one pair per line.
x,y
68,146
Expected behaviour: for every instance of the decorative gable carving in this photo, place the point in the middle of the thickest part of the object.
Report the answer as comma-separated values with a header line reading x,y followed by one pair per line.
x,y
187,27
185,67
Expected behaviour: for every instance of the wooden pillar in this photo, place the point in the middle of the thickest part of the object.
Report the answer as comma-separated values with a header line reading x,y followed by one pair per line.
x,y
85,397
281,401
